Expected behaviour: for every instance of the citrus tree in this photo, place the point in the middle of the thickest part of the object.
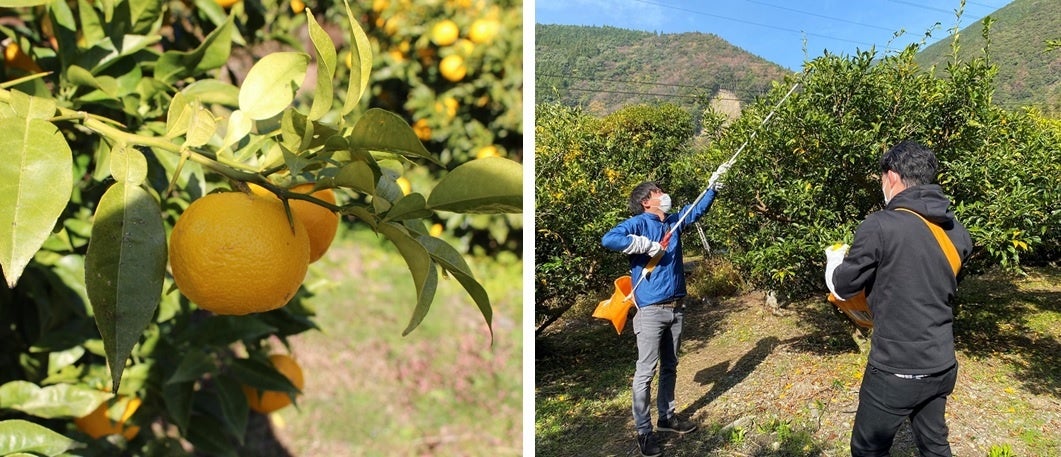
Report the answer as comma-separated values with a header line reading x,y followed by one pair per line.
x,y
812,174
171,169
586,168
453,69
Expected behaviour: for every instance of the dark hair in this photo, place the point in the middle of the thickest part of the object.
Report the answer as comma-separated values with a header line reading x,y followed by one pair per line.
x,y
640,194
914,163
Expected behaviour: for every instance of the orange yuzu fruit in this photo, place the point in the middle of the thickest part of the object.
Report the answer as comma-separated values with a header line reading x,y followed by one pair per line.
x,y
97,425
15,57
236,253
445,32
452,67
321,223
267,401
483,30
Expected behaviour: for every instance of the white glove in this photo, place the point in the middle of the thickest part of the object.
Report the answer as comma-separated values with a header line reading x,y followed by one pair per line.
x,y
721,170
834,256
642,245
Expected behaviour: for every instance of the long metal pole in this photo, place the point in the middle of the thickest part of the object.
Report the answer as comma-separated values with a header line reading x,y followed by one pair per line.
x,y
729,163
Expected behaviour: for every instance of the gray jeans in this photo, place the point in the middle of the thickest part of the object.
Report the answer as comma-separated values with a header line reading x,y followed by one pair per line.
x,y
658,330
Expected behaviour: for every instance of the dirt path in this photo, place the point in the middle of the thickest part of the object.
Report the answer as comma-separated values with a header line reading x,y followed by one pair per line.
x,y
767,381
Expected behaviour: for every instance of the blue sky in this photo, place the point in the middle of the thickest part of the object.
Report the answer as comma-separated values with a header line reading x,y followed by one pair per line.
x,y
782,31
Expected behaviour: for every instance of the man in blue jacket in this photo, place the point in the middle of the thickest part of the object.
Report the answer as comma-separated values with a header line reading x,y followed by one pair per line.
x,y
909,284
658,321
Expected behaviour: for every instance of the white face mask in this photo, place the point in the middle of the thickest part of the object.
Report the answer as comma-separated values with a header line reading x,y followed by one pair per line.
x,y
664,203
887,198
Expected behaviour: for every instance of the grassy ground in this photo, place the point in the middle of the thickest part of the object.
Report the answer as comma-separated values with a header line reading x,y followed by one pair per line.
x,y
442,390
784,382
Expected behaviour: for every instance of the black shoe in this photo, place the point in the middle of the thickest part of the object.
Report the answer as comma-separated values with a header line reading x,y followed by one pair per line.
x,y
648,444
675,424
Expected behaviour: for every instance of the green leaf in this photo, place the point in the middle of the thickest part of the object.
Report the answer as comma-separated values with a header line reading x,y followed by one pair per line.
x,y
452,261
212,53
178,400
201,126
361,62
239,126
124,269
128,165
50,402
21,436
271,84
357,175
423,269
383,131
233,404
212,91
193,366
224,330
325,48
31,107
208,436
412,206
35,183
83,77
18,3
260,374
484,186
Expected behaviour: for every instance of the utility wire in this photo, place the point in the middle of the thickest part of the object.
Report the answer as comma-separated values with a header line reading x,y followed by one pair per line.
x,y
808,13
800,32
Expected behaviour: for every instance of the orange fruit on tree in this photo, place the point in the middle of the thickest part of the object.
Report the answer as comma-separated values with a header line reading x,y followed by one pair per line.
x,y
226,3
321,223
97,424
236,253
445,32
422,130
452,67
297,6
15,57
404,185
487,151
483,30
267,401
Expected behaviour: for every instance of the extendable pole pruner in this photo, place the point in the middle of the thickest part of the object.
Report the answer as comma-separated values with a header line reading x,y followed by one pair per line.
x,y
714,177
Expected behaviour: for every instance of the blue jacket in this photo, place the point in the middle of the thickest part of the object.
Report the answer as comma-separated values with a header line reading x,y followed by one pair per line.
x,y
667,281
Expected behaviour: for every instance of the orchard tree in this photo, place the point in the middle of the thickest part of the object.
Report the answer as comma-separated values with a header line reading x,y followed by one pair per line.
x,y
812,174
585,169
147,142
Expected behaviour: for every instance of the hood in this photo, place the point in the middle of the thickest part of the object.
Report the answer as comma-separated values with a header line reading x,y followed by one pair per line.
x,y
927,200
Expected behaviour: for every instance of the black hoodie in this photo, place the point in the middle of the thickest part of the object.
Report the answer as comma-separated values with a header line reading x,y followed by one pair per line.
x,y
908,281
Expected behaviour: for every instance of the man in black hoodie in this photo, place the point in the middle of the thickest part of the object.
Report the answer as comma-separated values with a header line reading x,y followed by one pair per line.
x,y
909,283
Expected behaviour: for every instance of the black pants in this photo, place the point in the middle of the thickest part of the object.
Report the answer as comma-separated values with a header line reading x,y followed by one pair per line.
x,y
885,400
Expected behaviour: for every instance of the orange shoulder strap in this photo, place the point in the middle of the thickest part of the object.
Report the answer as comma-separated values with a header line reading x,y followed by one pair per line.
x,y
943,240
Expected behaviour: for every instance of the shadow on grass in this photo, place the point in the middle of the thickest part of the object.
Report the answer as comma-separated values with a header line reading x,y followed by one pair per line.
x,y
998,314
722,377
583,372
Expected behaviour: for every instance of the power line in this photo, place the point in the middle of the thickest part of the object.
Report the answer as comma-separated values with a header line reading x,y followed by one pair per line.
x,y
886,29
800,32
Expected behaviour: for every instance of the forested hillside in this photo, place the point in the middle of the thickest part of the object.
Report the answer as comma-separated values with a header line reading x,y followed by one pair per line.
x,y
1028,72
605,68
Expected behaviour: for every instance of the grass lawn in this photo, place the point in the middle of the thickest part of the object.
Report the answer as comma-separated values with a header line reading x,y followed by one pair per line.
x,y
444,389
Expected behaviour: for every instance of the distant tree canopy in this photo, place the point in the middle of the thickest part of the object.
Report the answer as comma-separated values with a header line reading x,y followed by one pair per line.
x,y
604,68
